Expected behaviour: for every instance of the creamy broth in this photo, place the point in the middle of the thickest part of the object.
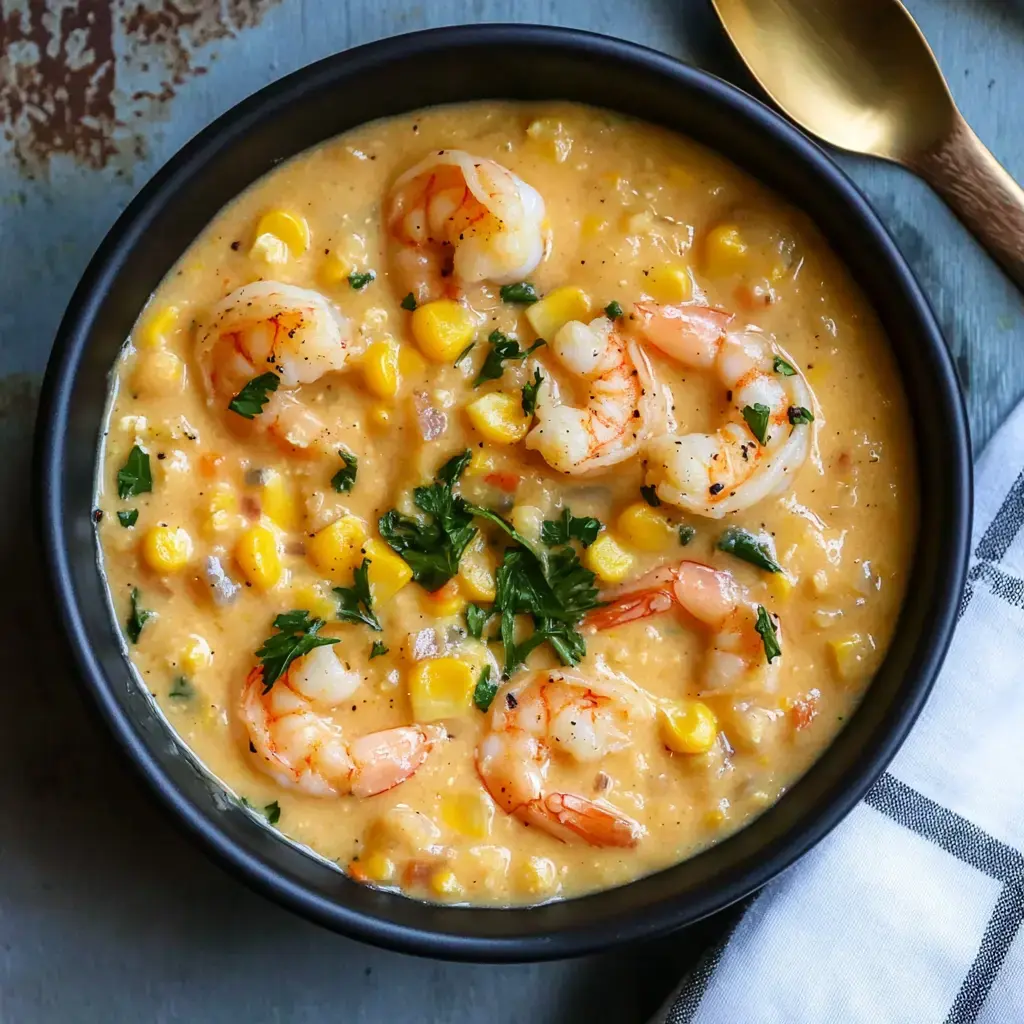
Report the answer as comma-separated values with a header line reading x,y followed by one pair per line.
x,y
633,214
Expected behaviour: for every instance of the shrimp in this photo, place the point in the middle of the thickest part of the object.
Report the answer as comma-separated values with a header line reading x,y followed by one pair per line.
x,y
730,470
623,406
268,326
576,716
711,596
459,216
300,748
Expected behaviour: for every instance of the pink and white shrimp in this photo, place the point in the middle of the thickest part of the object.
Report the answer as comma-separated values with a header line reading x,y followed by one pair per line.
x,y
299,747
569,714
733,468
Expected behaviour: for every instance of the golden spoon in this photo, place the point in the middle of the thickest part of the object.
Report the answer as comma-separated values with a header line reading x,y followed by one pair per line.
x,y
860,75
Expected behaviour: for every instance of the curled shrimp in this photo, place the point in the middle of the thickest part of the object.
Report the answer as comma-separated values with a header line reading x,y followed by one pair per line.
x,y
623,405
567,713
729,470
462,217
736,655
300,748
268,326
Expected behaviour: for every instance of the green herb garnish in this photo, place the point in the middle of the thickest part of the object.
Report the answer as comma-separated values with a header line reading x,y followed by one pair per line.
x,y
272,812
181,689
359,281
523,293
650,495
503,348
476,619
780,366
485,690
355,603
379,648
129,517
769,637
409,302
743,544
134,477
345,478
465,352
758,417
250,400
686,534
296,636
530,389
798,415
137,617
569,527
613,311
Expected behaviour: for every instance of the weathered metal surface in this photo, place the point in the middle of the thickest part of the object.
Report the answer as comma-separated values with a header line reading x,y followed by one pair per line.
x,y
106,914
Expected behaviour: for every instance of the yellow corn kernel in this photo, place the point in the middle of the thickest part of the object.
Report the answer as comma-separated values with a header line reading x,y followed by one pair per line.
x,y
380,415
379,867
442,329
335,269
607,559
646,529
476,577
290,228
715,818
592,227
554,136
849,655
482,462
158,327
312,599
781,585
671,282
195,654
259,557
380,368
447,600
335,550
440,688
221,512
725,251
388,573
556,309
277,501
166,548
537,876
410,362
499,417
158,373
444,883
688,727
470,814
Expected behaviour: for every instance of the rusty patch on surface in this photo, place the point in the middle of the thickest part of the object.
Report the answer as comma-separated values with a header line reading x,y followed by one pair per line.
x,y
65,68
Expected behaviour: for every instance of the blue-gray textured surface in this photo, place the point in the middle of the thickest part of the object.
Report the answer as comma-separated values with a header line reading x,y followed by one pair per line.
x,y
106,914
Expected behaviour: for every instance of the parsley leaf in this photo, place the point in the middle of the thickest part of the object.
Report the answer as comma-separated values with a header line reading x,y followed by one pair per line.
x,y
296,636
560,531
345,478
530,389
273,812
613,311
181,689
650,495
523,293
465,352
409,302
758,417
134,477
359,281
250,400
781,367
686,534
379,648
769,637
137,618
502,348
476,619
799,415
128,518
485,689
743,544
355,603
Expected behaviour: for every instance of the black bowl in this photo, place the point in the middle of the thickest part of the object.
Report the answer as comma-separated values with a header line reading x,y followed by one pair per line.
x,y
392,77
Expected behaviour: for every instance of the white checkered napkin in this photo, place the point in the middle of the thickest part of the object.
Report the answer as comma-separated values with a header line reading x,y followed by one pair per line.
x,y
910,911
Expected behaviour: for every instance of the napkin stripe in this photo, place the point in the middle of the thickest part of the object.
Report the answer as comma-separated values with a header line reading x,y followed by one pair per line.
x,y
1005,525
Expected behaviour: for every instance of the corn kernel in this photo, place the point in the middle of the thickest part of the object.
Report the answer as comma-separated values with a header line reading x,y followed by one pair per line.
x,y
671,282
645,528
270,249
335,550
259,557
470,814
476,577
221,512
499,417
334,269
556,309
410,362
288,227
443,882
849,655
447,600
380,368
688,727
158,373
482,462
166,548
442,329
725,251
195,654
607,559
378,867
592,227
388,573
380,415
441,688
278,502
553,135
158,327
312,599
537,876
781,585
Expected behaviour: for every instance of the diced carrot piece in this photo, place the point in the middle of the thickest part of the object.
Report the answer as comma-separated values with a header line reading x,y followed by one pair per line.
x,y
803,710
507,482
210,464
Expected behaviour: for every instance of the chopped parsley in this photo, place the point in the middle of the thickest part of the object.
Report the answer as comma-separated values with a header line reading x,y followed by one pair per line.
x,y
522,293
379,648
799,415
359,281
743,544
686,534
613,311
569,527
758,416
272,812
485,689
296,636
181,689
476,619
355,603
650,495
530,389
250,400
129,517
503,348
344,480
134,477
409,302
781,367
769,637
465,352
137,617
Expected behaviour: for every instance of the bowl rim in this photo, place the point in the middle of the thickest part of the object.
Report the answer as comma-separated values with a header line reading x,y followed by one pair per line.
x,y
48,496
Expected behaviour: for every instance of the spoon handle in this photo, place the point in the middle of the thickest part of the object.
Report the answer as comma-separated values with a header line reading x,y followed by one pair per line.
x,y
980,192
